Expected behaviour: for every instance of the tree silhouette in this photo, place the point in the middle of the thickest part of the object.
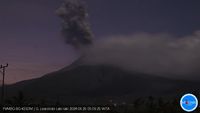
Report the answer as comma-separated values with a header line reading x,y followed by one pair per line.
x,y
19,100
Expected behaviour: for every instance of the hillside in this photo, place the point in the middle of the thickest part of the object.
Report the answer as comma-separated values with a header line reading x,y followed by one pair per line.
x,y
88,84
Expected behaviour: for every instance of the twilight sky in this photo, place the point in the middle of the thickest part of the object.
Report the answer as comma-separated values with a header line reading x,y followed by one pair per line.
x,y
31,43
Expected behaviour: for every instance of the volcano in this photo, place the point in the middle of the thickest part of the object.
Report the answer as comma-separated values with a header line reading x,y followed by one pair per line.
x,y
85,84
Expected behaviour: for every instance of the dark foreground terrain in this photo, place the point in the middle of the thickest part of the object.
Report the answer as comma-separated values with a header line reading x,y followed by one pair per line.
x,y
102,85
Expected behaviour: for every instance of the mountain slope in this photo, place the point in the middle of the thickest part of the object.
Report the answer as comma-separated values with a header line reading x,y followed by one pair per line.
x,y
86,82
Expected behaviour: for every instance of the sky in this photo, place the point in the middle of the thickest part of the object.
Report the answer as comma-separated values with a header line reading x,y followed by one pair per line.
x,y
30,39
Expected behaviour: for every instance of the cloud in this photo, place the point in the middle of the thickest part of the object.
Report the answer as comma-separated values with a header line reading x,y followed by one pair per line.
x,y
75,25
158,54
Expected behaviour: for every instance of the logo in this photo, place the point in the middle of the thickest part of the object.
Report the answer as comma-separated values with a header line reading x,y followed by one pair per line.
x,y
189,102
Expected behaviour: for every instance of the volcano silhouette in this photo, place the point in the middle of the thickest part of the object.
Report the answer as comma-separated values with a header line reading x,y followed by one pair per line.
x,y
95,83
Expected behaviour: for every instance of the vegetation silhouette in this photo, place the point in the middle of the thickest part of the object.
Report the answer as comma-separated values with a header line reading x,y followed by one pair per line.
x,y
140,105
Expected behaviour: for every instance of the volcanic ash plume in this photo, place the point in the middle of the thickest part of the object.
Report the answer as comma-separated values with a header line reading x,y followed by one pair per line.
x,y
75,26
157,54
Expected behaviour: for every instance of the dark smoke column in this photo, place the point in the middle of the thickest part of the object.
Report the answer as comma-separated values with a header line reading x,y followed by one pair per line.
x,y
75,25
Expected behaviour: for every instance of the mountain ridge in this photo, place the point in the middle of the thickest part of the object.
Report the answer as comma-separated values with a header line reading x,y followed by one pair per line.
x,y
90,82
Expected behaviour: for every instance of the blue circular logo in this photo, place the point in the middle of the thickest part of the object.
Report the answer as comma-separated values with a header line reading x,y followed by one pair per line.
x,y
189,102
